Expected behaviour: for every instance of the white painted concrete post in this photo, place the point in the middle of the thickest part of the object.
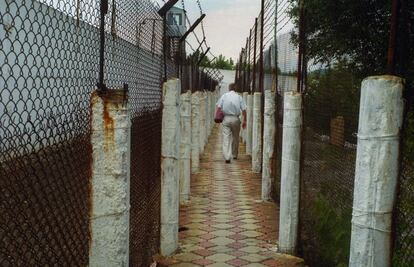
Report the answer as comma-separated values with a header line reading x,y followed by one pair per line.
x,y
209,120
244,133
268,143
290,175
257,133
207,115
170,167
195,132
213,109
185,149
111,132
249,125
376,174
202,121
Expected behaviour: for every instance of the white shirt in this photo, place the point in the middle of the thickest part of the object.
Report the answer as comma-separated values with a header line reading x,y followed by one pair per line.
x,y
231,103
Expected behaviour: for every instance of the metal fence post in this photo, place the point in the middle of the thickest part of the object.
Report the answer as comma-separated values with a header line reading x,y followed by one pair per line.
x,y
290,174
170,167
111,130
376,173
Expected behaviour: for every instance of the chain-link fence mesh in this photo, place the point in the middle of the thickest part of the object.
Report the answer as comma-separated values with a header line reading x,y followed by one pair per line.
x,y
286,78
326,51
403,250
48,69
50,54
144,84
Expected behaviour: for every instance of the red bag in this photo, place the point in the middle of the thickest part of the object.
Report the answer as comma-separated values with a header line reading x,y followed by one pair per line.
x,y
218,118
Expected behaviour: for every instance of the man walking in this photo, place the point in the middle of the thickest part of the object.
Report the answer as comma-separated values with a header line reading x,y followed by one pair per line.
x,y
232,105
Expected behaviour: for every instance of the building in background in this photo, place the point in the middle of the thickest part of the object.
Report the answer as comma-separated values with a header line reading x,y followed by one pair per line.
x,y
176,22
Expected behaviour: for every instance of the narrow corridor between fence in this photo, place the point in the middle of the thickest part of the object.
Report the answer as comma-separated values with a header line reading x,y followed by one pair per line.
x,y
226,223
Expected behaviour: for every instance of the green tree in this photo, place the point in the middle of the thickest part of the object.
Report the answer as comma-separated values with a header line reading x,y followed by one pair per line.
x,y
353,31
205,61
222,63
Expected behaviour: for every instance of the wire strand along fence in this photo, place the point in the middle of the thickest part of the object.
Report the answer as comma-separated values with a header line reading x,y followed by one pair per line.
x,y
327,62
50,54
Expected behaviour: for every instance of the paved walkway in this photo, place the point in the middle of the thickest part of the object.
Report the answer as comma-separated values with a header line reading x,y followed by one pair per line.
x,y
226,223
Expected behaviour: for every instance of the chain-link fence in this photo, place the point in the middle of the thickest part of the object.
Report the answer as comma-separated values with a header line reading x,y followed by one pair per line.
x,y
404,213
324,51
48,69
51,62
144,84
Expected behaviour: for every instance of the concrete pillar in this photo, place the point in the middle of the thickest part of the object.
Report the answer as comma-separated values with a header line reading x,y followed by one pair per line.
x,y
213,109
207,115
207,104
376,174
195,132
170,167
268,143
185,149
202,121
249,125
290,175
210,118
109,217
257,133
244,131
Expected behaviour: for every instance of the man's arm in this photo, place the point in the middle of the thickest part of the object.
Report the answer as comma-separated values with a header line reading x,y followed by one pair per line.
x,y
243,107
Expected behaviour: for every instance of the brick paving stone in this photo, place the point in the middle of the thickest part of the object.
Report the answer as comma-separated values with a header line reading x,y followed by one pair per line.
x,y
236,245
203,262
203,252
226,222
220,257
237,262
237,237
272,263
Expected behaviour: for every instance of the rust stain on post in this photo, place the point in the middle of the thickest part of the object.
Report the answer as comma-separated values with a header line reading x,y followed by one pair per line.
x,y
111,100
108,125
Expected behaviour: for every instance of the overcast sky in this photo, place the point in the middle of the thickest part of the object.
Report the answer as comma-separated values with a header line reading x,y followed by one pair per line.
x,y
227,23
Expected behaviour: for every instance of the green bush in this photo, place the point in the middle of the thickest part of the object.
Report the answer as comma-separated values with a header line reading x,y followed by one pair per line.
x,y
333,229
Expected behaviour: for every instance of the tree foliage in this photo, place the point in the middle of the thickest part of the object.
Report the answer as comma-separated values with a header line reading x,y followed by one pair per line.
x,y
220,62
353,31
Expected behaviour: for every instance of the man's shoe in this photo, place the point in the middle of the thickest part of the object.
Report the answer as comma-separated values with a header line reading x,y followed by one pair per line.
x,y
227,161
234,157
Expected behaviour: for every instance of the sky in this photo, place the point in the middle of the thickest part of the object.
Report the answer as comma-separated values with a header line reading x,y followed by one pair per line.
x,y
227,23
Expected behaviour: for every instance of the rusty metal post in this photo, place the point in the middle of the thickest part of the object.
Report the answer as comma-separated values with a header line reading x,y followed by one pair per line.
x,y
103,12
261,76
275,73
245,81
393,38
254,56
300,54
248,66
261,61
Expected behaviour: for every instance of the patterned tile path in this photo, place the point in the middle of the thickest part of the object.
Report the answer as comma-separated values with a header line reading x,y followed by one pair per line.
x,y
226,224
